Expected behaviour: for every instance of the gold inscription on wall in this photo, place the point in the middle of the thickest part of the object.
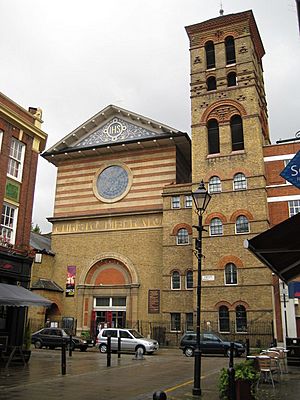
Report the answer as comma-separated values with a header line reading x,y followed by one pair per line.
x,y
110,224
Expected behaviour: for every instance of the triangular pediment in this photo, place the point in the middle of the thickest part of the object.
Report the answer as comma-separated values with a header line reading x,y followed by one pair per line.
x,y
112,126
116,130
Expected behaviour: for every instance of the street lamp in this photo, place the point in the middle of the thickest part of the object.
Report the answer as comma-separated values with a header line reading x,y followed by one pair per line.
x,y
201,199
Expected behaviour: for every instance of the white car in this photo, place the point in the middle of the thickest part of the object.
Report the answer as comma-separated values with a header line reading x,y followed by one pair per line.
x,y
131,341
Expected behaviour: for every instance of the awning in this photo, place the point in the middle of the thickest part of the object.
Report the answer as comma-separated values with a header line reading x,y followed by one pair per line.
x,y
279,248
18,296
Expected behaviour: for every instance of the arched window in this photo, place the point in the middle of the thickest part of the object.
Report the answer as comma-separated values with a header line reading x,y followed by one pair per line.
x,y
182,236
230,274
216,227
239,182
210,55
211,83
175,281
224,319
214,185
237,135
231,79
241,319
230,50
213,136
189,279
242,224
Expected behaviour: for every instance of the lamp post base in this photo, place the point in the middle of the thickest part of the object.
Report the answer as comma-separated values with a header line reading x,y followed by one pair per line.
x,y
196,392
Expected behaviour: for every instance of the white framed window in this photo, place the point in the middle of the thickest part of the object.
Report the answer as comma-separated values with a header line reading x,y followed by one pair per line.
x,y
1,135
16,159
241,318
188,201
230,274
8,223
176,202
242,224
216,227
224,321
294,207
214,185
175,322
182,236
175,281
239,182
189,279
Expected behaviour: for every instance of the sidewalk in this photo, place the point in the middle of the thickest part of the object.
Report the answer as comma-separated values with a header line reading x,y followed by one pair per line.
x,y
127,379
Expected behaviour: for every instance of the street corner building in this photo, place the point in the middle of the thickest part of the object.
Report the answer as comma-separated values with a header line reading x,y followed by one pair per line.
x,y
21,142
123,220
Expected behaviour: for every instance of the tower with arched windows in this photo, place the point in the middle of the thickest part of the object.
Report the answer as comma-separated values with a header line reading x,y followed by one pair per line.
x,y
229,130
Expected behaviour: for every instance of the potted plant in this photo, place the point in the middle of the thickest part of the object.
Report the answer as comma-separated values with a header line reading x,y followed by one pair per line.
x,y
246,377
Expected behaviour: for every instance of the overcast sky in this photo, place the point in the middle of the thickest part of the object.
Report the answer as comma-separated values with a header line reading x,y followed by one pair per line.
x,y
72,58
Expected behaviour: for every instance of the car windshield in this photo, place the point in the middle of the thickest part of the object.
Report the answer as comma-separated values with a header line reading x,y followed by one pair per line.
x,y
136,334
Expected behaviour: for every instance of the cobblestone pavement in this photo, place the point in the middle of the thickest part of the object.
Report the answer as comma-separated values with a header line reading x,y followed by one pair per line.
x,y
88,377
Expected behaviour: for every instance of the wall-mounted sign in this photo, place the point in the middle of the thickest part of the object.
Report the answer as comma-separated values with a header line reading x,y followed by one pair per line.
x,y
12,190
70,283
208,277
291,172
153,301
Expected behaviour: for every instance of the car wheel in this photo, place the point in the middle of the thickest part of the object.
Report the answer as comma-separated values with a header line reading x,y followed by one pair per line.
x,y
51,347
103,348
83,348
141,347
38,344
189,351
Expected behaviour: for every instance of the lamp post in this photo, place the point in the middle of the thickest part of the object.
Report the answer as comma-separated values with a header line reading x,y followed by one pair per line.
x,y
201,199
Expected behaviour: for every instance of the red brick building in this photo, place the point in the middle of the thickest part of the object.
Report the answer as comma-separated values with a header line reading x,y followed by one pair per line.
x,y
21,141
283,202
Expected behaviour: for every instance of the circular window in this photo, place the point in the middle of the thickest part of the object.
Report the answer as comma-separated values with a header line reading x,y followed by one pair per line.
x,y
112,183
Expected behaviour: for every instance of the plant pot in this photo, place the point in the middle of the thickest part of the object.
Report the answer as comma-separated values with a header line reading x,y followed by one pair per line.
x,y
244,390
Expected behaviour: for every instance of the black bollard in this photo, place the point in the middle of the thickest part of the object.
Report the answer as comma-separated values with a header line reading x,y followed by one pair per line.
x,y
63,357
231,375
70,346
159,396
247,347
108,353
119,347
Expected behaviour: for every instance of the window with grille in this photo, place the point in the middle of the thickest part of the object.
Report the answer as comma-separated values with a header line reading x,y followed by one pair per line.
x,y
182,236
188,201
214,185
213,136
175,322
237,134
189,279
176,202
224,319
242,224
241,319
230,274
239,182
294,207
16,158
175,281
211,83
189,322
210,55
8,223
230,50
216,227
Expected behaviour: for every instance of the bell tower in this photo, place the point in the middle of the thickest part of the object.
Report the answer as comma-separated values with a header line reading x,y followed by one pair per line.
x,y
229,130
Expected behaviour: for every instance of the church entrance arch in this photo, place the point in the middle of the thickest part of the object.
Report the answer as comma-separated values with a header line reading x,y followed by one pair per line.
x,y
110,295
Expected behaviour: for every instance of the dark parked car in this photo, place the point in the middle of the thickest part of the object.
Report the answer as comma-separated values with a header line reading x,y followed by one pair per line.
x,y
53,337
210,343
